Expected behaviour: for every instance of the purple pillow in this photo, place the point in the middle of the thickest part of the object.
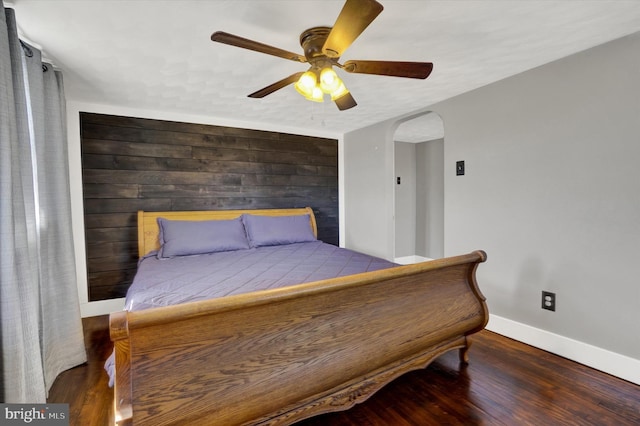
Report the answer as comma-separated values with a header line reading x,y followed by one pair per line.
x,y
277,230
186,237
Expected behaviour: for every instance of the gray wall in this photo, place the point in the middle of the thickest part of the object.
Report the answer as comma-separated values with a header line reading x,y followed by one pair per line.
x,y
552,192
368,187
405,199
430,199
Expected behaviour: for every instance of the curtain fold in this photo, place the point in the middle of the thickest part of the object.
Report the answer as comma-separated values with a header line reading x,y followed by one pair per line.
x,y
41,329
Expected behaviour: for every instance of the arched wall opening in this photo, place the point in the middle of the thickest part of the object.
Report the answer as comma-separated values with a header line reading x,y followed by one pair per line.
x,y
419,188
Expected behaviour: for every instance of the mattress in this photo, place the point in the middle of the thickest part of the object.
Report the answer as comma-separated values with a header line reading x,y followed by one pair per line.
x,y
163,282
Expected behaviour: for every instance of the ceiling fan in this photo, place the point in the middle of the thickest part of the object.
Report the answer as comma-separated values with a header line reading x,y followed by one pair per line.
x,y
323,47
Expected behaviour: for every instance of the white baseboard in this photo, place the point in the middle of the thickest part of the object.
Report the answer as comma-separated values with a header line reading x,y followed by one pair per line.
x,y
102,307
408,260
621,366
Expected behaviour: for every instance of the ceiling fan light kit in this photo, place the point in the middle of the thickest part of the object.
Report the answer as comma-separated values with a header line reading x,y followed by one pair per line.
x,y
314,83
323,47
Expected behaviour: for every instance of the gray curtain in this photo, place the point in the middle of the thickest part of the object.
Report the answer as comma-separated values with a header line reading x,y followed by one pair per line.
x,y
41,329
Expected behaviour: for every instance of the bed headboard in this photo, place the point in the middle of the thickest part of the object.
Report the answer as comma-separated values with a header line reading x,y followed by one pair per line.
x,y
148,222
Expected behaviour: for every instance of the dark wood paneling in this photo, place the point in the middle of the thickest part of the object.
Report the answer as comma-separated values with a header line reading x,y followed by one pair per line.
x,y
131,164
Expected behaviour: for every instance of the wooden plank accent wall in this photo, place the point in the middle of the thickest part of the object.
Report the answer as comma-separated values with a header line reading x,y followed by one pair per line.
x,y
131,164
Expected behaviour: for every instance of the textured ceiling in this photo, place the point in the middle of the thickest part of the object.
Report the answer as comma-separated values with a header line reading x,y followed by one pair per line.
x,y
157,55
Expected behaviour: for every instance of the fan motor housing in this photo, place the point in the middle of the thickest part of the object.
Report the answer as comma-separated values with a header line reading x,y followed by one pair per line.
x,y
312,41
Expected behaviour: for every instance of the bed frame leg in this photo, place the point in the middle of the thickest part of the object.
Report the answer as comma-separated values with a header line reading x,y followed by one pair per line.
x,y
464,351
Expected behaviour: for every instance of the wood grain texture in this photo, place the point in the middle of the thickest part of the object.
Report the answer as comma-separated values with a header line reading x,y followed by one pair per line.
x,y
131,164
506,382
292,352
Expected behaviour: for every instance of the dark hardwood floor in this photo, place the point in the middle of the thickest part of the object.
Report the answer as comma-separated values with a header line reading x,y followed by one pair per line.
x,y
506,383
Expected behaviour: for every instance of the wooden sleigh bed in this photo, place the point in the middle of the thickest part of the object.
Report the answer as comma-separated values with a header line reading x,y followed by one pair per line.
x,y
278,356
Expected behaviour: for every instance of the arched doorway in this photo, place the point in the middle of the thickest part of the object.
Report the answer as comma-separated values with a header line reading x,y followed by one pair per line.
x,y
419,189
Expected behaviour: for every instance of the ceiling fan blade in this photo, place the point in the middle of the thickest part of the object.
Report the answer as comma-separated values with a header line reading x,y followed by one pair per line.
x,y
355,16
234,40
276,86
391,68
345,102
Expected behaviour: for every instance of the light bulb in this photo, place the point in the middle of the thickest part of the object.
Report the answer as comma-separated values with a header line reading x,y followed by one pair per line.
x,y
316,95
339,92
329,80
306,83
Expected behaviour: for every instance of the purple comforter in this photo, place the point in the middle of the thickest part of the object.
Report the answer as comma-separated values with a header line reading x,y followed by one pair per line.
x,y
162,282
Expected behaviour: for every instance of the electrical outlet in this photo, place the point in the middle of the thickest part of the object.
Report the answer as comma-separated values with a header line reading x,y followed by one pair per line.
x,y
548,301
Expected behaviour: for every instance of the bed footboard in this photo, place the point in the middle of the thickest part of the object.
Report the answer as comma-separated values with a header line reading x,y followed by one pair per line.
x,y
279,356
